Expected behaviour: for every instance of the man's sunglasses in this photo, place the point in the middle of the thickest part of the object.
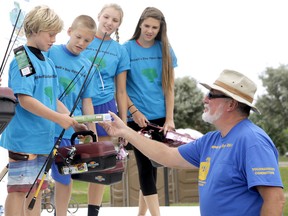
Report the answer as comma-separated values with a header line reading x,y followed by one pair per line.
x,y
212,96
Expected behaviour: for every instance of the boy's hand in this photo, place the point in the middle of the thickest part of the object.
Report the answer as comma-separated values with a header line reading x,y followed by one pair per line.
x,y
66,121
80,127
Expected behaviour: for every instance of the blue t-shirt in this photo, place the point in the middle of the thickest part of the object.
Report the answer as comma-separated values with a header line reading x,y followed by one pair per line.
x,y
26,132
70,67
112,59
230,167
144,80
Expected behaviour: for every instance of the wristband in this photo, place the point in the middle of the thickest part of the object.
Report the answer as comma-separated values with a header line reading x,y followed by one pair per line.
x,y
130,106
134,112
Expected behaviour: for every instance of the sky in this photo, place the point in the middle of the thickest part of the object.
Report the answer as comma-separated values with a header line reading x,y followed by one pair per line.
x,y
207,36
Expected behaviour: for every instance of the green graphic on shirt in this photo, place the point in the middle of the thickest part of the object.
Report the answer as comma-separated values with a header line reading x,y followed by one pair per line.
x,y
99,63
49,93
150,74
65,83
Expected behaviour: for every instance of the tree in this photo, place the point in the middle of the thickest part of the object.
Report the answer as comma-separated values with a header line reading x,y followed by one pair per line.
x,y
274,106
188,107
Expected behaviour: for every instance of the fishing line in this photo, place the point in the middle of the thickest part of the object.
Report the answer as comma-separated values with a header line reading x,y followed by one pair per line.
x,y
9,42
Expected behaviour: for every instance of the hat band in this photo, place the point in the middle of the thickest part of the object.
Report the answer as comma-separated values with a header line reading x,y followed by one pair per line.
x,y
234,91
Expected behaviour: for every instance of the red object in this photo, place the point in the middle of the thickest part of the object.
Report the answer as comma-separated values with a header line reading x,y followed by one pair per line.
x,y
7,107
87,157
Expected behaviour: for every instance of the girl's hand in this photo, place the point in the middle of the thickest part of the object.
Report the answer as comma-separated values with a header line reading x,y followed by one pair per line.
x,y
168,126
140,119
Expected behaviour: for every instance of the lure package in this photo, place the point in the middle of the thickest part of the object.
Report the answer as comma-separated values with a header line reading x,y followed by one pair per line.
x,y
7,107
93,118
23,61
87,157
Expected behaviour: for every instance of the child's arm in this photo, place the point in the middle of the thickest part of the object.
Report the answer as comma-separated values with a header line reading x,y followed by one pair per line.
x,y
37,108
121,96
61,108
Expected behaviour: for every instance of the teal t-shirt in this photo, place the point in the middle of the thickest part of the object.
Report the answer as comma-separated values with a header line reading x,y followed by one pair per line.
x,y
112,59
72,71
144,80
27,132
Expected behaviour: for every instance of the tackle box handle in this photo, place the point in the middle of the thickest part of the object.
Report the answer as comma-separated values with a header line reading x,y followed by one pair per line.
x,y
83,133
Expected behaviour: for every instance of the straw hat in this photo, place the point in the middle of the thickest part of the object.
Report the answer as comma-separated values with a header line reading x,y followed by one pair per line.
x,y
236,86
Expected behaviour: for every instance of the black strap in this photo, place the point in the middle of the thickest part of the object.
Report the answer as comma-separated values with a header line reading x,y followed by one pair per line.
x,y
18,157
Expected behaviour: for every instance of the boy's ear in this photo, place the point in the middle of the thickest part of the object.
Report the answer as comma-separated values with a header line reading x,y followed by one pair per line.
x,y
69,31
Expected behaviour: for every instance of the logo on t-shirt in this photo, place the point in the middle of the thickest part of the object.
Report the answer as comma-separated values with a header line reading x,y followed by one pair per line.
x,y
204,169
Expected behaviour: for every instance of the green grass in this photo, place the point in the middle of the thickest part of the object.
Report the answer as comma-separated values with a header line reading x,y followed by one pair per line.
x,y
80,190
283,158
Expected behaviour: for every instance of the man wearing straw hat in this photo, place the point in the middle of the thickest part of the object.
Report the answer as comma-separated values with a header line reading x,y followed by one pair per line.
x,y
238,162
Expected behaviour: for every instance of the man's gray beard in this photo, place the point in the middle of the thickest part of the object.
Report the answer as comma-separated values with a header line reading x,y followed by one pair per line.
x,y
212,118
205,118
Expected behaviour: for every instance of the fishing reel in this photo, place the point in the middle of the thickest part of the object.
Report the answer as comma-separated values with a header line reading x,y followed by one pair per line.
x,y
70,154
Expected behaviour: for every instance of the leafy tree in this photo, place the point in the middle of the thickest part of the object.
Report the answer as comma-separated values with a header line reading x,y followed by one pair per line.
x,y
273,105
189,106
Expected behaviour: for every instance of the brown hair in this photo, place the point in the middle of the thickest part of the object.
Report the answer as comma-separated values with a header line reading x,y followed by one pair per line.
x,y
167,68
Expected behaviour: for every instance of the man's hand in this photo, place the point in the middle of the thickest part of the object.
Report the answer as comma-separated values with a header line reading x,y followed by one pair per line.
x,y
115,128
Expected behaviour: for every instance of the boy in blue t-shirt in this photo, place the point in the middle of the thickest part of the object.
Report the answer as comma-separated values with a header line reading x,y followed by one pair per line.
x,y
72,69
29,137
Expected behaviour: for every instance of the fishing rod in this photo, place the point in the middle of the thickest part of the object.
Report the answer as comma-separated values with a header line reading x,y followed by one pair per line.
x,y
53,152
9,42
12,48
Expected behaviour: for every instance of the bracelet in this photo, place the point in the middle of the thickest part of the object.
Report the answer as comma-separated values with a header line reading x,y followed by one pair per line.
x,y
130,106
134,112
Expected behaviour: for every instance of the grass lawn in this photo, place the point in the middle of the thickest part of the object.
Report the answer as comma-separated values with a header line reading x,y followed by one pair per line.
x,y
80,192
80,189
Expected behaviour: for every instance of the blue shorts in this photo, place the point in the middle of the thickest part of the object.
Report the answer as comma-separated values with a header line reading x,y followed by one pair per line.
x,y
22,174
63,179
104,108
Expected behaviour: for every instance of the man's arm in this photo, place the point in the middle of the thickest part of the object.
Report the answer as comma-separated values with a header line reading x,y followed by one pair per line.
x,y
154,150
273,200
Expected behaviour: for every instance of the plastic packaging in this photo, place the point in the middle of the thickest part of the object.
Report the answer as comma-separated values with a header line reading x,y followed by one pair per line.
x,y
93,118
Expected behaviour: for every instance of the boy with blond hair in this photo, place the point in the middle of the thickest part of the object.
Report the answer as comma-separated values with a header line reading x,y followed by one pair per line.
x,y
29,135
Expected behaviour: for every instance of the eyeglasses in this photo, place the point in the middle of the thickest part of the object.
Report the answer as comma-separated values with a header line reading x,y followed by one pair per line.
x,y
211,96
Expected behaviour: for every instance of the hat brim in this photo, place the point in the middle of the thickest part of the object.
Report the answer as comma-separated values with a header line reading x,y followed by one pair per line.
x,y
234,96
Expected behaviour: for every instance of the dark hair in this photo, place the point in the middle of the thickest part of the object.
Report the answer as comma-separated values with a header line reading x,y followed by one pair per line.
x,y
244,108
